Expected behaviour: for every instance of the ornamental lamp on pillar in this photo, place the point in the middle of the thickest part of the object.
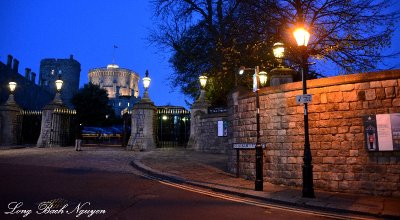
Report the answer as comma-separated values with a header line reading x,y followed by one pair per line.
x,y
203,83
59,84
279,52
280,75
12,86
263,78
146,84
302,37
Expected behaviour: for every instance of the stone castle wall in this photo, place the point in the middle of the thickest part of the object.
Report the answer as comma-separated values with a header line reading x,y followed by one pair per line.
x,y
117,81
205,137
70,74
28,95
341,161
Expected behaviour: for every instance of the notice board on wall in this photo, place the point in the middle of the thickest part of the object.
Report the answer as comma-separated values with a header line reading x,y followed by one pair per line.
x,y
382,132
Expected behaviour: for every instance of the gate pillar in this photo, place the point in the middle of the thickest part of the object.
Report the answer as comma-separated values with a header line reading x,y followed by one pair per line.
x,y
143,126
8,121
50,123
199,108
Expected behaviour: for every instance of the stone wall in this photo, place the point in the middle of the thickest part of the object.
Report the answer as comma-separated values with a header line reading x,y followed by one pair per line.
x,y
341,161
70,70
207,133
27,95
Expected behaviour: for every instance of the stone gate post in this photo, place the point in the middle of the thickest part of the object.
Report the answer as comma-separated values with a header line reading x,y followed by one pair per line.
x,y
199,108
50,123
8,121
143,126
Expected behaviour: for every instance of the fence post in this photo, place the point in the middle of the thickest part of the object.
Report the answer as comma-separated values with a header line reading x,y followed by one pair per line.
x,y
143,130
8,121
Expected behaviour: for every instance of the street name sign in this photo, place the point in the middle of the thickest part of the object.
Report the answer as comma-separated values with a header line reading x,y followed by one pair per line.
x,y
305,98
246,146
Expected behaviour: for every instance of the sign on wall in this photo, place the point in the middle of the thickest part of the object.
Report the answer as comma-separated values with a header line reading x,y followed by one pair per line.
x,y
222,128
382,132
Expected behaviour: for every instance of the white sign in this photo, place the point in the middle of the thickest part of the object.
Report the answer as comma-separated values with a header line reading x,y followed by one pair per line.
x,y
305,98
255,83
246,146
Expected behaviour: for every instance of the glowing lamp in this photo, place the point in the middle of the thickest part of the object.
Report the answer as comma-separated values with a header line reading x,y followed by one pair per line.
x,y
12,86
302,36
279,50
263,77
203,81
59,84
146,82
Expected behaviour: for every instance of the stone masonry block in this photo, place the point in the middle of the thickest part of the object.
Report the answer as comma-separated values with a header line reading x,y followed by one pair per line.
x,y
356,105
344,106
343,129
323,98
387,83
390,92
376,84
361,95
347,87
328,160
380,93
360,86
335,97
370,94
353,153
350,96
396,102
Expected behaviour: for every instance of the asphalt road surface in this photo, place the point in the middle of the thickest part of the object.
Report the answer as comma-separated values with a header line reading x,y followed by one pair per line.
x,y
50,185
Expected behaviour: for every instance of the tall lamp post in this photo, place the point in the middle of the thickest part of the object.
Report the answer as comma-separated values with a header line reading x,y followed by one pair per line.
x,y
12,86
259,78
146,84
59,84
203,83
302,36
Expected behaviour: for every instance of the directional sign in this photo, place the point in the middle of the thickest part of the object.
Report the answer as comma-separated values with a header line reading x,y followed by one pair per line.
x,y
305,98
255,82
246,146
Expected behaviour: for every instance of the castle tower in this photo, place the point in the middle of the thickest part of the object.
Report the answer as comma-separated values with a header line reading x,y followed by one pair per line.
x,y
121,85
68,69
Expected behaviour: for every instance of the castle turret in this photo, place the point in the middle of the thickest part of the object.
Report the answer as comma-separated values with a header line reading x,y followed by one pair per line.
x,y
67,69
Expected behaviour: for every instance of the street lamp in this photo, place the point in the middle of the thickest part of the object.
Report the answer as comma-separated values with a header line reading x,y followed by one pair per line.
x,y
203,83
59,84
146,84
259,78
12,86
302,36
279,52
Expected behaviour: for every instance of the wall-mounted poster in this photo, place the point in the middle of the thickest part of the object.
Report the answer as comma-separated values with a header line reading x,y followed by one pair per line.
x,y
370,133
382,132
222,128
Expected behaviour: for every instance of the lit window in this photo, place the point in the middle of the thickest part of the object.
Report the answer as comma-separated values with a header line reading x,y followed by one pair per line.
x,y
119,103
128,104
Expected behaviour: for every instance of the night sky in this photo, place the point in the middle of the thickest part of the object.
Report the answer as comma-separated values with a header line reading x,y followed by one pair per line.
x,y
88,29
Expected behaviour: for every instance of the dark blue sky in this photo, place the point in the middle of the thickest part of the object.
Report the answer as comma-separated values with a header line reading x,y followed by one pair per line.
x,y
88,29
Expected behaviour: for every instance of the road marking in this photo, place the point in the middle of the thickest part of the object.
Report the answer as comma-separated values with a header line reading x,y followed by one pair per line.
x,y
251,202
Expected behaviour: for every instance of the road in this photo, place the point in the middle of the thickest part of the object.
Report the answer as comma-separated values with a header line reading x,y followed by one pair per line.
x,y
95,180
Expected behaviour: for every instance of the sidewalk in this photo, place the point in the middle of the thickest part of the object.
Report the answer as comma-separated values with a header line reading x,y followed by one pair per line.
x,y
209,171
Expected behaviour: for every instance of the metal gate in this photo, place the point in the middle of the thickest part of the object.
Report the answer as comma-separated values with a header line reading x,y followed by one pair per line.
x,y
173,126
63,125
28,127
126,126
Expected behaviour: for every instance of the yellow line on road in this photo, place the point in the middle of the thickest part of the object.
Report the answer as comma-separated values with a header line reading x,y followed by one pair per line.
x,y
254,203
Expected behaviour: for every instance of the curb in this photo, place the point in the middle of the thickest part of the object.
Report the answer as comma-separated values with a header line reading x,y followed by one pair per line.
x,y
137,164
